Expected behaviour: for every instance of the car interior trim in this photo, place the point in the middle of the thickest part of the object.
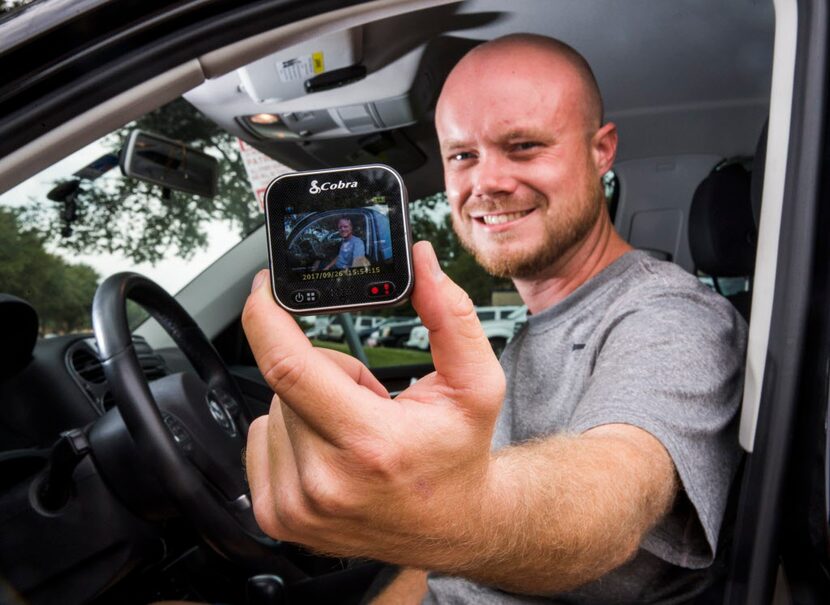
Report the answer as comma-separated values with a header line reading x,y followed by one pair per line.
x,y
766,260
97,122
224,60
199,298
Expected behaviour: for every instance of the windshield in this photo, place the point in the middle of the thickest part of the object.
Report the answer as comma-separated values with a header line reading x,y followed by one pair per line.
x,y
79,221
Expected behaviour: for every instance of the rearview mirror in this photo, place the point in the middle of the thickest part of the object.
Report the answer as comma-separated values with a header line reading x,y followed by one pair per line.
x,y
171,164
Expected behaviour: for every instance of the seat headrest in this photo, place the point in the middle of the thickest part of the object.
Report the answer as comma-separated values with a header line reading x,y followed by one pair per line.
x,y
721,225
19,326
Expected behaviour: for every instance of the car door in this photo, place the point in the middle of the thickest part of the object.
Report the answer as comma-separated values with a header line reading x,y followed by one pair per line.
x,y
781,543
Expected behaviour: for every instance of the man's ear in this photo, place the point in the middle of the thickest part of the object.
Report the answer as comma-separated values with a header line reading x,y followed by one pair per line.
x,y
604,147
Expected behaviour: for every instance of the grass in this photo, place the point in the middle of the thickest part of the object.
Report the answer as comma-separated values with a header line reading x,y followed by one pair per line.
x,y
381,356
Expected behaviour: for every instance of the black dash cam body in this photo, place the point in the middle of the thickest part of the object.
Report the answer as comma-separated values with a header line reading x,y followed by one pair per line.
x,y
339,239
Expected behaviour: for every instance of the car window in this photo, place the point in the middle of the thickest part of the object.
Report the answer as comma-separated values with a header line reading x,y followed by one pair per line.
x,y
67,228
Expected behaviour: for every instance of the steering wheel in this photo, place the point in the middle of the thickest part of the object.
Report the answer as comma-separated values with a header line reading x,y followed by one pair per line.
x,y
190,429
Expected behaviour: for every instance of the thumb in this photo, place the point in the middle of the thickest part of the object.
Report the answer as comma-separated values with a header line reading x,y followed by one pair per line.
x,y
460,350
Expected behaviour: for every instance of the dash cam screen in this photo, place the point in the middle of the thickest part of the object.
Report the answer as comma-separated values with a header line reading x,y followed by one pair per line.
x,y
342,242
339,239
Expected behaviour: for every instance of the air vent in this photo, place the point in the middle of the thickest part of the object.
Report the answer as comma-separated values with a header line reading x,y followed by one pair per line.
x,y
152,366
108,400
87,366
151,363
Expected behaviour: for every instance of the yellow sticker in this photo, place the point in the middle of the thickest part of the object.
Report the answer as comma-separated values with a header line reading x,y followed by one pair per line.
x,y
319,65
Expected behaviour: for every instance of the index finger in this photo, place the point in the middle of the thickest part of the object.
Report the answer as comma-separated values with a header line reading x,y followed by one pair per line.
x,y
310,382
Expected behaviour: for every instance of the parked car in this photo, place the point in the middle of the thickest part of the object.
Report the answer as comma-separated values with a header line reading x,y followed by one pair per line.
x,y
394,332
334,330
499,325
321,322
106,497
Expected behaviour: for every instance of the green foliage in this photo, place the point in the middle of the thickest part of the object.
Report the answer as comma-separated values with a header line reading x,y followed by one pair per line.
x,y
381,356
465,271
431,221
9,6
134,218
62,293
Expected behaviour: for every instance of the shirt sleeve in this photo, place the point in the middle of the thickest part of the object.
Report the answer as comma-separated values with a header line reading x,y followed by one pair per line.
x,y
359,248
673,366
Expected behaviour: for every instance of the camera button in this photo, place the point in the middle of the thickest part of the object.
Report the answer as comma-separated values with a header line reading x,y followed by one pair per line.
x,y
305,296
381,289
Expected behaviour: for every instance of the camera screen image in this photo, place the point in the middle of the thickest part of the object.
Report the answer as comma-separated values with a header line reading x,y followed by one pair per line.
x,y
339,242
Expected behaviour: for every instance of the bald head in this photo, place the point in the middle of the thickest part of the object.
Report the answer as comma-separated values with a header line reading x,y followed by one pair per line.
x,y
524,149
547,60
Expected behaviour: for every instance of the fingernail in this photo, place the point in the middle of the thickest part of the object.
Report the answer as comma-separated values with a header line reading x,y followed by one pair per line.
x,y
258,279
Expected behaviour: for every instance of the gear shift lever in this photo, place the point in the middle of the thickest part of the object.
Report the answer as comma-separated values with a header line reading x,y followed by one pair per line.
x,y
265,589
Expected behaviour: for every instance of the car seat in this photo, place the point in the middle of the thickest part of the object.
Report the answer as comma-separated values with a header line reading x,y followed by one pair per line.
x,y
722,231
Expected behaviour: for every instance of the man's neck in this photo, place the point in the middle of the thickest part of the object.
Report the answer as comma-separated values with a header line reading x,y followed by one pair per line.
x,y
601,247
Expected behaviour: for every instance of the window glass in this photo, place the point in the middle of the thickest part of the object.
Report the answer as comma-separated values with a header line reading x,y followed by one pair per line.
x,y
67,228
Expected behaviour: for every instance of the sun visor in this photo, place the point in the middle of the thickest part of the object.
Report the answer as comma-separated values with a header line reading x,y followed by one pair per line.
x,y
283,75
19,325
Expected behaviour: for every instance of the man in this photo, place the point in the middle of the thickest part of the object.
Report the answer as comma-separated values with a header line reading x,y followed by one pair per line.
x,y
351,248
613,446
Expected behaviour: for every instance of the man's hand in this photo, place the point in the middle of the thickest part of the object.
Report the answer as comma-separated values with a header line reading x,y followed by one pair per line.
x,y
340,467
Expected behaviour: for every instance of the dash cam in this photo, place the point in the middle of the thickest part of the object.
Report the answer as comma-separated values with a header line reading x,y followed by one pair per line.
x,y
339,239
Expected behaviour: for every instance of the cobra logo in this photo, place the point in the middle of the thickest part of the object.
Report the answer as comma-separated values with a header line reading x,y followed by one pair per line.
x,y
330,185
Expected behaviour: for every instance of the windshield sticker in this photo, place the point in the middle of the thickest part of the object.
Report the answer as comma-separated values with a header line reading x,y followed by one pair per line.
x,y
301,68
261,170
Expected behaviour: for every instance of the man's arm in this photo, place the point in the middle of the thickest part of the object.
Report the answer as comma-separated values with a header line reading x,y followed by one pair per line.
x,y
342,468
590,544
359,248
569,509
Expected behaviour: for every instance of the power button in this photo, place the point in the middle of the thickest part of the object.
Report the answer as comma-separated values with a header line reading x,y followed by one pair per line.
x,y
303,297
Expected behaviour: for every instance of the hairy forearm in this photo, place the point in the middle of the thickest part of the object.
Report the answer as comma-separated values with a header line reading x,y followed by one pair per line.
x,y
560,512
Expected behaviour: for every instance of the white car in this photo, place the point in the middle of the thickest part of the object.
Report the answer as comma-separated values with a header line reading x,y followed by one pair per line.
x,y
499,325
334,330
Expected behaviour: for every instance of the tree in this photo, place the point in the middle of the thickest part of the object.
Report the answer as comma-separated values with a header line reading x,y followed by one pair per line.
x,y
9,6
139,220
61,292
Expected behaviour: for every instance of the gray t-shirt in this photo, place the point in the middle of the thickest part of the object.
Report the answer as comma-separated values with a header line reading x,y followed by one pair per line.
x,y
642,343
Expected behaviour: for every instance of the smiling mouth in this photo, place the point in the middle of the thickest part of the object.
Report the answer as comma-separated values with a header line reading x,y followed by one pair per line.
x,y
500,219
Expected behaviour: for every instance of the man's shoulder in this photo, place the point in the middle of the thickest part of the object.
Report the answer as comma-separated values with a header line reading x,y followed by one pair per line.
x,y
658,284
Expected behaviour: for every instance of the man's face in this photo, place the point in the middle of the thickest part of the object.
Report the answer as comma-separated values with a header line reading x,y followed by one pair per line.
x,y
521,177
344,227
